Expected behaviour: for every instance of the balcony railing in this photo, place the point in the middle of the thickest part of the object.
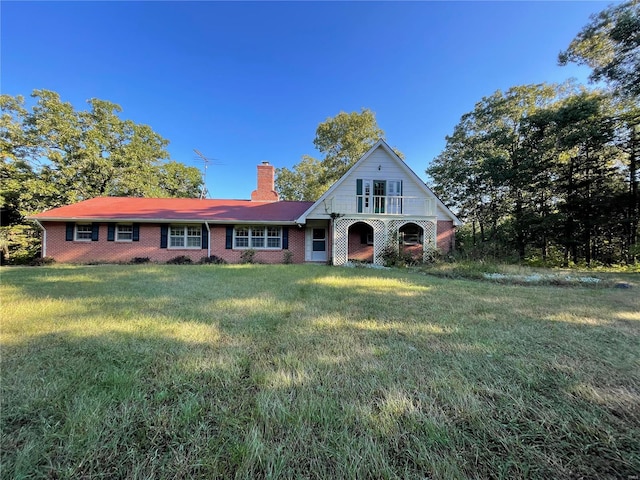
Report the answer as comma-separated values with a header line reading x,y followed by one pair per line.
x,y
380,205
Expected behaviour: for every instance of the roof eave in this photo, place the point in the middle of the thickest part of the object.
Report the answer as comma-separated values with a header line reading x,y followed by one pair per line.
x,y
162,220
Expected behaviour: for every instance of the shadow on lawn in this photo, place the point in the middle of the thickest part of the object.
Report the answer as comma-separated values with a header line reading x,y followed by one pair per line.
x,y
143,405
321,374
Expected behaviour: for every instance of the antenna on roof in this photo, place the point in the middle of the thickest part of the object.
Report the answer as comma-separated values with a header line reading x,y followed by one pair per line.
x,y
204,192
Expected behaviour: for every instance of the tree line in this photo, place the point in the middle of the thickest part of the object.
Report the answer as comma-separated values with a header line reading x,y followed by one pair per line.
x,y
53,155
550,171
542,171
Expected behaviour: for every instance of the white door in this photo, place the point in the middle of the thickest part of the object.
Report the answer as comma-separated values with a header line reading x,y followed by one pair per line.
x,y
318,244
394,200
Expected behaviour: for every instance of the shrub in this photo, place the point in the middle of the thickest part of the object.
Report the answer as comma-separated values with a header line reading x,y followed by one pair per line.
x,y
213,259
287,257
39,262
248,256
180,260
19,245
394,256
138,260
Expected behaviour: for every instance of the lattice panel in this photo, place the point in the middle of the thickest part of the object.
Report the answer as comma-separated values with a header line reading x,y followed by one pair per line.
x,y
341,239
379,240
429,231
382,232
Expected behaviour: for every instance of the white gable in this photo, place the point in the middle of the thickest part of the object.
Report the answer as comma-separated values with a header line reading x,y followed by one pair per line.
x,y
379,163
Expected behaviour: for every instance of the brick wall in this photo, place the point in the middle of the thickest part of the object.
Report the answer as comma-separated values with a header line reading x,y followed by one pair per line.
x,y
357,249
446,236
149,246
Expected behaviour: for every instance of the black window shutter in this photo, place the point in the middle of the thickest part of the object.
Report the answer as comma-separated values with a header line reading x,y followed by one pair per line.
x,y
229,239
401,194
285,238
111,232
136,232
95,229
359,193
205,238
164,235
70,228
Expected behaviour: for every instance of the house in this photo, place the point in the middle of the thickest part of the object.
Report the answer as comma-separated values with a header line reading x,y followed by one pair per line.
x,y
379,199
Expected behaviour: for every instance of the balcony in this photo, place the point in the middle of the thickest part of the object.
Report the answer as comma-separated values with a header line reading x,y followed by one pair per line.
x,y
381,205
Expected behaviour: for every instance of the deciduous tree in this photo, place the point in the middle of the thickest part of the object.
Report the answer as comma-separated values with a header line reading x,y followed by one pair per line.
x,y
54,154
342,139
610,46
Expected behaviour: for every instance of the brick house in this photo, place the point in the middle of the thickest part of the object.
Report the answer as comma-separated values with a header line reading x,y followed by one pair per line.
x,y
378,199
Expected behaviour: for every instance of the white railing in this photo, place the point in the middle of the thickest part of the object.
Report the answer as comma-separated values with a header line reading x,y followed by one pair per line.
x,y
380,205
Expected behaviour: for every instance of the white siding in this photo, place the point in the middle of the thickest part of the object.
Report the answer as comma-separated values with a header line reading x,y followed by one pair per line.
x,y
378,166
441,214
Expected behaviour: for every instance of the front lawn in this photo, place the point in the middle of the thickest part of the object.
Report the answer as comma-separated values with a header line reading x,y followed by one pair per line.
x,y
302,371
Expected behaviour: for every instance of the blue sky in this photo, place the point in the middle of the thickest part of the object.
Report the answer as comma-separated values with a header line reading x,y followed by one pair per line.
x,y
245,82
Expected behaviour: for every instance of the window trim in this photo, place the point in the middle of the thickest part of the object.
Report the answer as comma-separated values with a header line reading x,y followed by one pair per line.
x,y
185,236
415,236
76,232
117,233
265,237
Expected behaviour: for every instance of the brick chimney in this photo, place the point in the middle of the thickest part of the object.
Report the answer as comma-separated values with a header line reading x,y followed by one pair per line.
x,y
266,184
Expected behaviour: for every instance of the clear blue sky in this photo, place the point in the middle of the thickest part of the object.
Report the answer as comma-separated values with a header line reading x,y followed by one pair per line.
x,y
247,82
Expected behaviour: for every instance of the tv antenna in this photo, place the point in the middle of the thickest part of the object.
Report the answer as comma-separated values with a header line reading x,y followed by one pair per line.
x,y
205,193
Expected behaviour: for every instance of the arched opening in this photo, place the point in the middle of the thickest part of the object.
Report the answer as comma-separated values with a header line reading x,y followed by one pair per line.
x,y
360,244
411,239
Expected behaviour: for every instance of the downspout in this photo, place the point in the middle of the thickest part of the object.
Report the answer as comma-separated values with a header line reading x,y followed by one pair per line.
x,y
206,224
43,252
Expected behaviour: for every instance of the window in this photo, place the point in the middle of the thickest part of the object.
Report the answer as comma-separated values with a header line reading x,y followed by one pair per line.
x,y
194,237
367,194
258,237
370,238
242,237
411,235
124,233
273,237
83,231
185,236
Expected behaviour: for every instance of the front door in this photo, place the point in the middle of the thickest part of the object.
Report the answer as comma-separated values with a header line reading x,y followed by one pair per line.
x,y
319,245
379,195
394,193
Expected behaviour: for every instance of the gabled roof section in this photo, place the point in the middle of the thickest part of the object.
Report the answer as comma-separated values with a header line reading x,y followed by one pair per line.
x,y
176,209
380,144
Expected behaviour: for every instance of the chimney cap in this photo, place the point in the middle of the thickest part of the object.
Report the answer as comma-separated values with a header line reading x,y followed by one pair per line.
x,y
264,162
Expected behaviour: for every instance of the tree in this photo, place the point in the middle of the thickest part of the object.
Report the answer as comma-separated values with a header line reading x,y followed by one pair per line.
x,y
486,163
589,179
177,180
54,155
538,167
307,180
342,139
610,46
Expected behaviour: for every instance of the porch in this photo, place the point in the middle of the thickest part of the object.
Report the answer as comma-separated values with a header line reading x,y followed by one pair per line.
x,y
362,238
380,205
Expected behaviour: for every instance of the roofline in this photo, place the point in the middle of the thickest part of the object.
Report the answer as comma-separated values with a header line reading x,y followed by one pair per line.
x,y
161,220
380,143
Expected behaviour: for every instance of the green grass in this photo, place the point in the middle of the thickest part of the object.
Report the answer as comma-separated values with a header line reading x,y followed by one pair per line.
x,y
297,371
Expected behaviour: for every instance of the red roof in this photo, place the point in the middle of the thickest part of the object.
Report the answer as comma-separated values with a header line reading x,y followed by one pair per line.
x,y
183,209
